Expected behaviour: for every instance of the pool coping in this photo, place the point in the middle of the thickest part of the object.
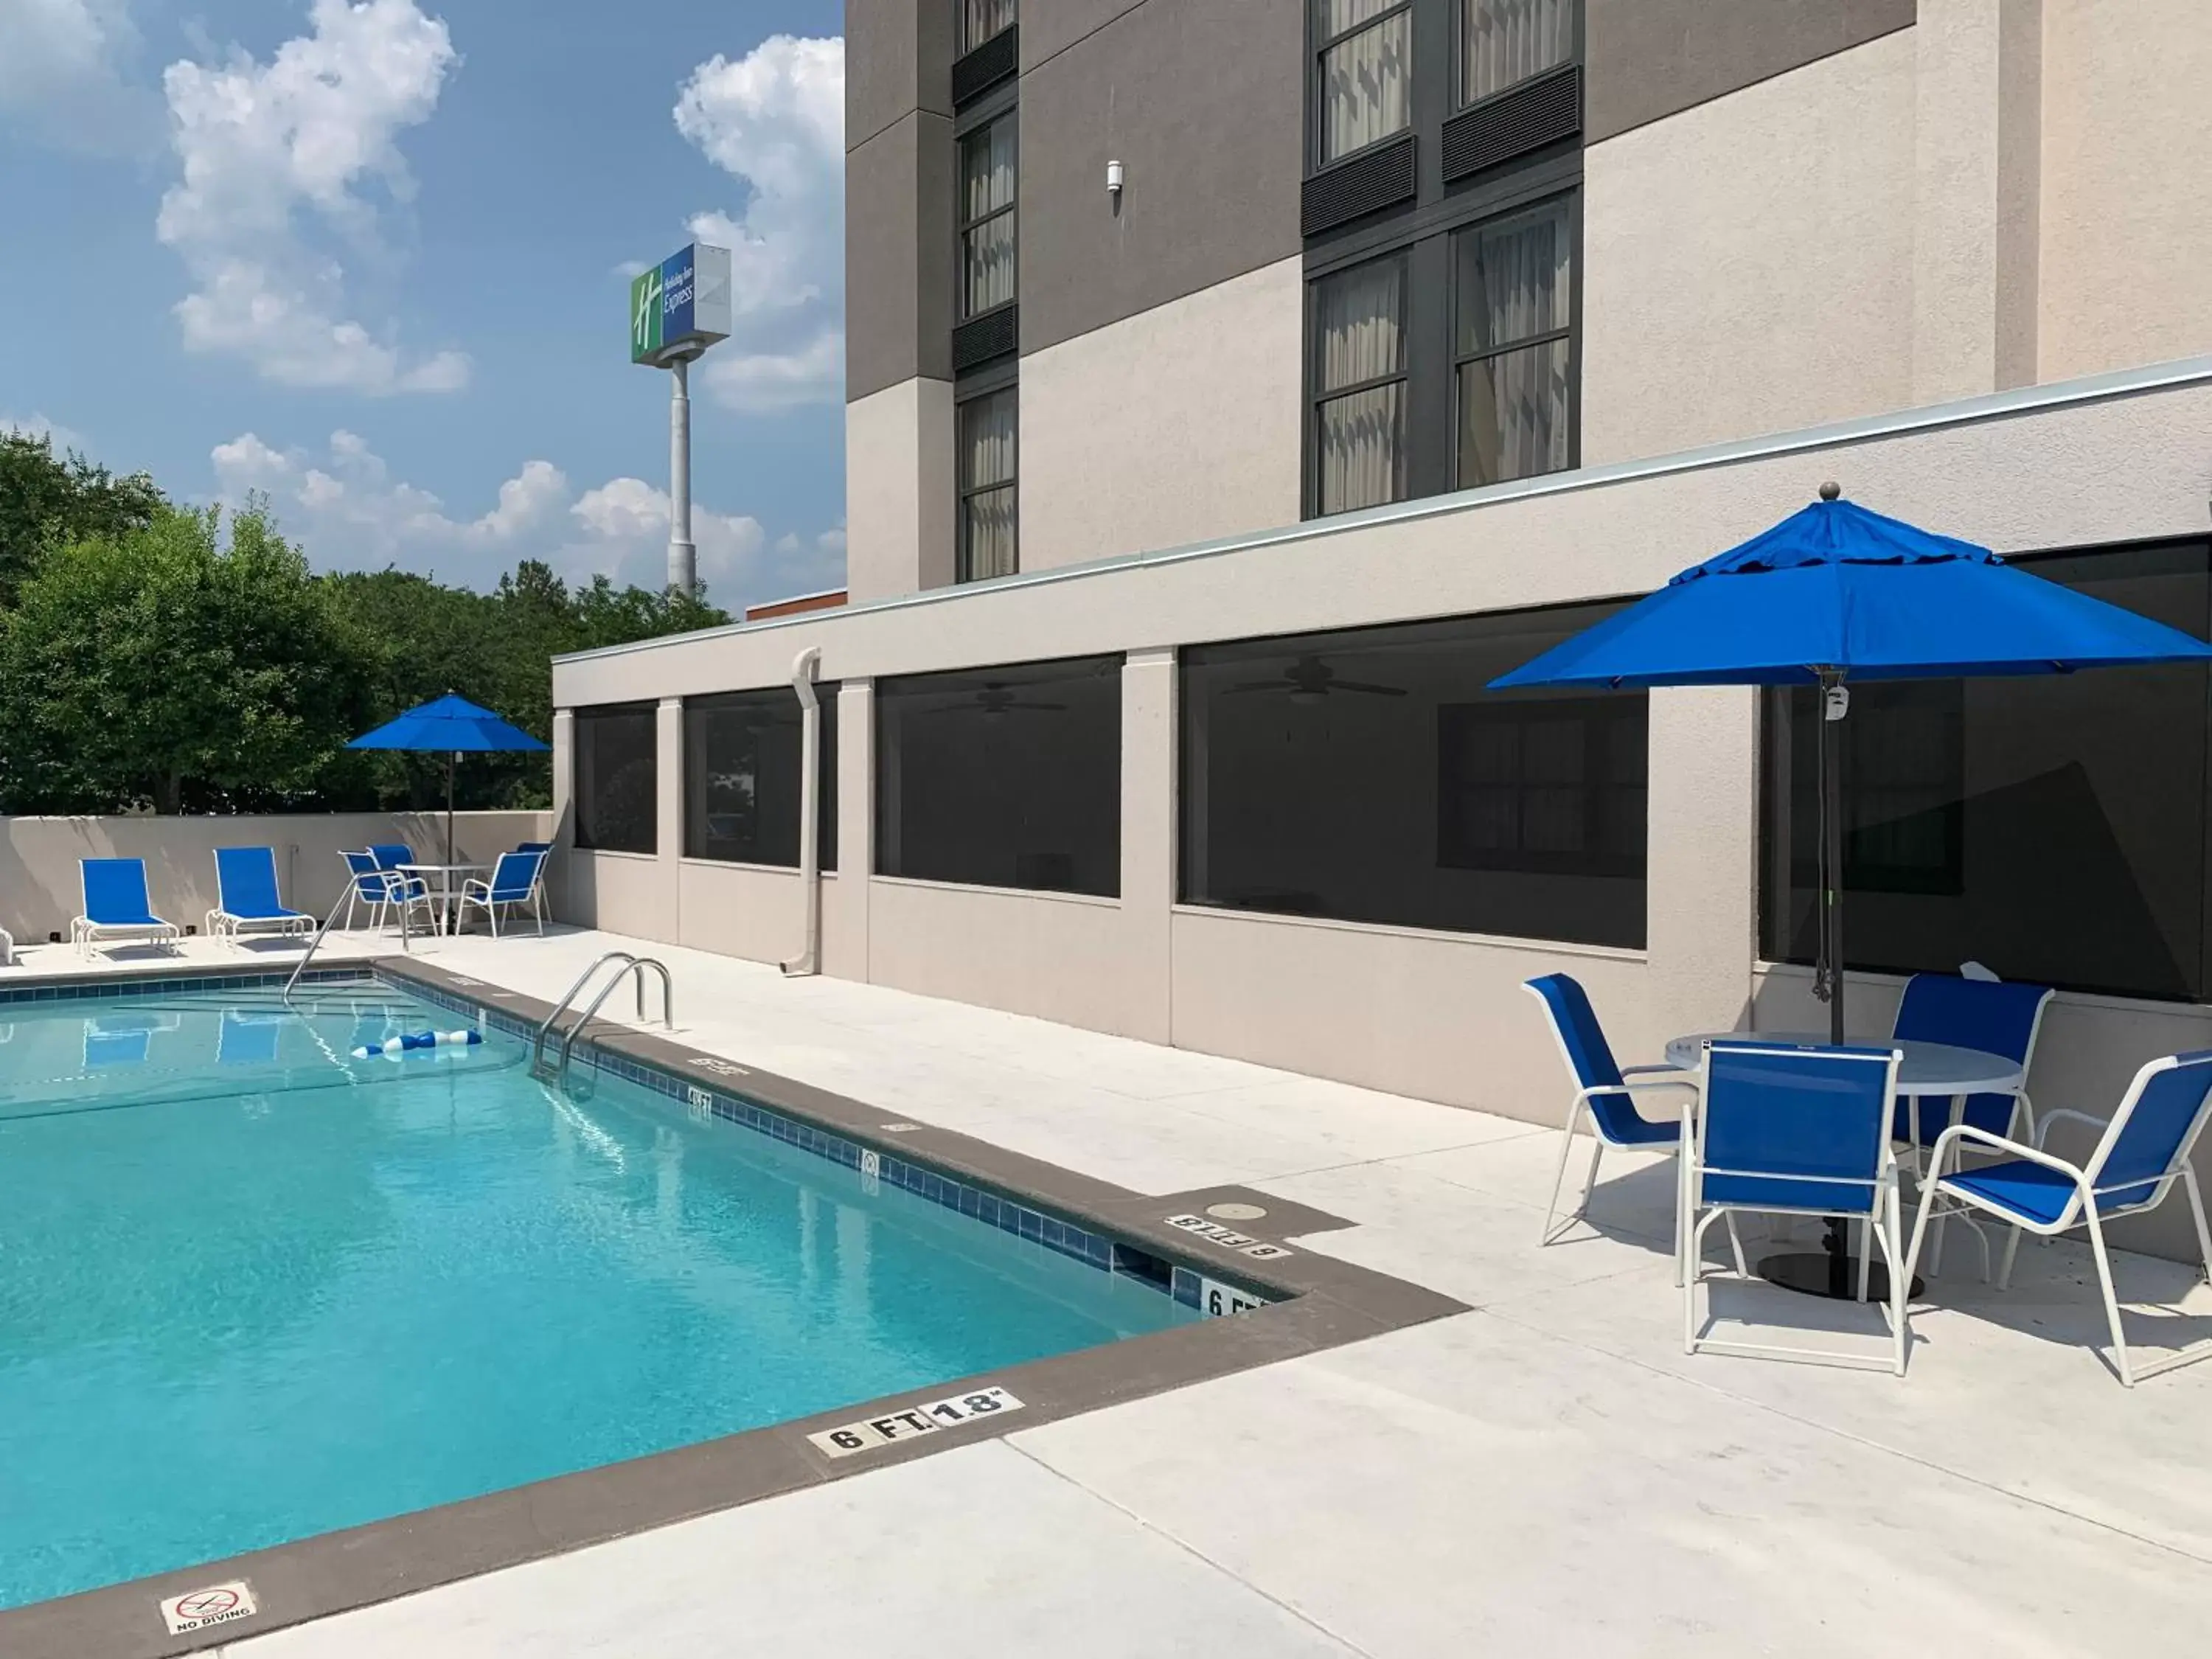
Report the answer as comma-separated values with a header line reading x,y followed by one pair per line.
x,y
1313,1303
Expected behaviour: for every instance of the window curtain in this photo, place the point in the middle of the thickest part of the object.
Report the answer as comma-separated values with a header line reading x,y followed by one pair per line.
x,y
987,434
1506,41
1364,79
1362,440
1513,284
986,186
981,19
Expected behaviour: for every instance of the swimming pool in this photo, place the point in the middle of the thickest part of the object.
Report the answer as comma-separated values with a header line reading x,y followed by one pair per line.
x,y
252,1288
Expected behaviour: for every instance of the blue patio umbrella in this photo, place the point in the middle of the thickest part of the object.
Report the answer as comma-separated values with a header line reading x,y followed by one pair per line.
x,y
1835,593
453,726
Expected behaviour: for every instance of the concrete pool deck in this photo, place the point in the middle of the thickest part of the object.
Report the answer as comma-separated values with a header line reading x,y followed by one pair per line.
x,y
1545,1473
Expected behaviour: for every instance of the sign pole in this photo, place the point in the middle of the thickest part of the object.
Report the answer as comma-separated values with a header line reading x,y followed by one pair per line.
x,y
683,556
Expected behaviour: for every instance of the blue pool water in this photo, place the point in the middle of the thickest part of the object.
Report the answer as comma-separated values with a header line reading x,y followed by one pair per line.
x,y
252,1289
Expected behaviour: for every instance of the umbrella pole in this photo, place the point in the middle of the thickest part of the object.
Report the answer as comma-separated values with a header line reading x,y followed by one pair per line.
x,y
449,808
1835,702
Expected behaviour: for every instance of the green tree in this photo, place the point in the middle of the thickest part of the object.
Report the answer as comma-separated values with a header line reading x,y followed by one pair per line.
x,y
165,666
45,499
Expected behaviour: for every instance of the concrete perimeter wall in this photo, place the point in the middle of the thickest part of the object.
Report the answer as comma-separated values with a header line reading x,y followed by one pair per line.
x,y
41,892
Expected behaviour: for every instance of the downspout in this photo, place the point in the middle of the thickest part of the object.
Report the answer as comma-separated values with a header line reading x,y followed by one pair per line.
x,y
809,961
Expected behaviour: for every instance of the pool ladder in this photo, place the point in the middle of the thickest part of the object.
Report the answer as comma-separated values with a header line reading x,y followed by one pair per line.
x,y
631,966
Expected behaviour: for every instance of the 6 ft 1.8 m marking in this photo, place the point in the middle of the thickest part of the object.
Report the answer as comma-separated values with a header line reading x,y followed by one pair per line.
x,y
913,1422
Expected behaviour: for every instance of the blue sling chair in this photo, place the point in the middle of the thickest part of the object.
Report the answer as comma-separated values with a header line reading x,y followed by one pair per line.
x,y
2140,1154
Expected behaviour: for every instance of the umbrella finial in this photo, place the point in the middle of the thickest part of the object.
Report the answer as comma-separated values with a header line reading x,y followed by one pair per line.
x,y
1831,490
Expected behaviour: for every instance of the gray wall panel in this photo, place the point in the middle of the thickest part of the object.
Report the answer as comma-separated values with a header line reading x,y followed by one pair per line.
x,y
898,255
898,59
1051,26
1651,58
1201,101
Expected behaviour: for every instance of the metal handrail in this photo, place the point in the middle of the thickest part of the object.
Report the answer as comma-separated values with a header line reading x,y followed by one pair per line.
x,y
345,893
630,965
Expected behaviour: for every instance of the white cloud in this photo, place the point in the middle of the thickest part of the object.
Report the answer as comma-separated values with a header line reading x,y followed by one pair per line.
x,y
775,118
349,512
288,164
61,73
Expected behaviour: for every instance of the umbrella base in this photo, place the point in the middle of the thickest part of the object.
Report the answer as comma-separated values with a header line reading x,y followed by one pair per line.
x,y
1832,1275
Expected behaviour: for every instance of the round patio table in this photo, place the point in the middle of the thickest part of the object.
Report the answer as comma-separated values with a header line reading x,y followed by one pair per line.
x,y
1937,1071
448,892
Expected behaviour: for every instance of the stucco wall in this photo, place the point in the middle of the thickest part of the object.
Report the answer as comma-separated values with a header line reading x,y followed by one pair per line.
x,y
759,912
2127,184
40,889
1176,425
898,489
1435,1015
1018,951
1747,264
624,891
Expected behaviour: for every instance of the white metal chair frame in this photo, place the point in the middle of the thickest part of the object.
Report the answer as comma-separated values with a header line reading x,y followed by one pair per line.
x,y
397,889
1883,1224
1635,1079
2081,1209
90,936
479,893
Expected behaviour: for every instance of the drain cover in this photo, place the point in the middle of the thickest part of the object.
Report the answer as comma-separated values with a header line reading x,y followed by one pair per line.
x,y
1234,1212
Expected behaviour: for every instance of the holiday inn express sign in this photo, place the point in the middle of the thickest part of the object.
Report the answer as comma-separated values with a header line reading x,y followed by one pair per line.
x,y
680,306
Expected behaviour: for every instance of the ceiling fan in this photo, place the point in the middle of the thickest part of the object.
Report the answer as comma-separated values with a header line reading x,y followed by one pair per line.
x,y
994,701
1308,679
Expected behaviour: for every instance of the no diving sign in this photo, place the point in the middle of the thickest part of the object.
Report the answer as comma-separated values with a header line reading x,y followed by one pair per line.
x,y
217,1604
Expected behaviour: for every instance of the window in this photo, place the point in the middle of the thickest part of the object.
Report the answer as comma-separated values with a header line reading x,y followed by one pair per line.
x,y
1360,376
616,776
1362,74
1548,785
1447,364
1511,353
988,165
741,777
2052,826
988,440
1002,777
980,20
1505,42
1368,776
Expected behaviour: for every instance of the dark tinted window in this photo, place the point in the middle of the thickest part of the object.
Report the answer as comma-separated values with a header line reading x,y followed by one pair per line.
x,y
1368,776
2052,827
741,776
617,778
1002,777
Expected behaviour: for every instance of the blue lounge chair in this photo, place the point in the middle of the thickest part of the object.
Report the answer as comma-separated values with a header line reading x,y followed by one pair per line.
x,y
247,897
1605,1093
380,888
2141,1152
513,882
116,907
1796,1131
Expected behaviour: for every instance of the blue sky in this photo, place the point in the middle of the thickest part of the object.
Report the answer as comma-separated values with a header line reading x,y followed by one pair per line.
x,y
368,256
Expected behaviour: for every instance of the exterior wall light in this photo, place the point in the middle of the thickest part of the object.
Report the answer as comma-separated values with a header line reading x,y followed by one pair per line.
x,y
1114,179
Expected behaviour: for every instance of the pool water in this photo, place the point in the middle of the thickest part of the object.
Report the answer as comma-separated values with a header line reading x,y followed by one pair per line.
x,y
252,1288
